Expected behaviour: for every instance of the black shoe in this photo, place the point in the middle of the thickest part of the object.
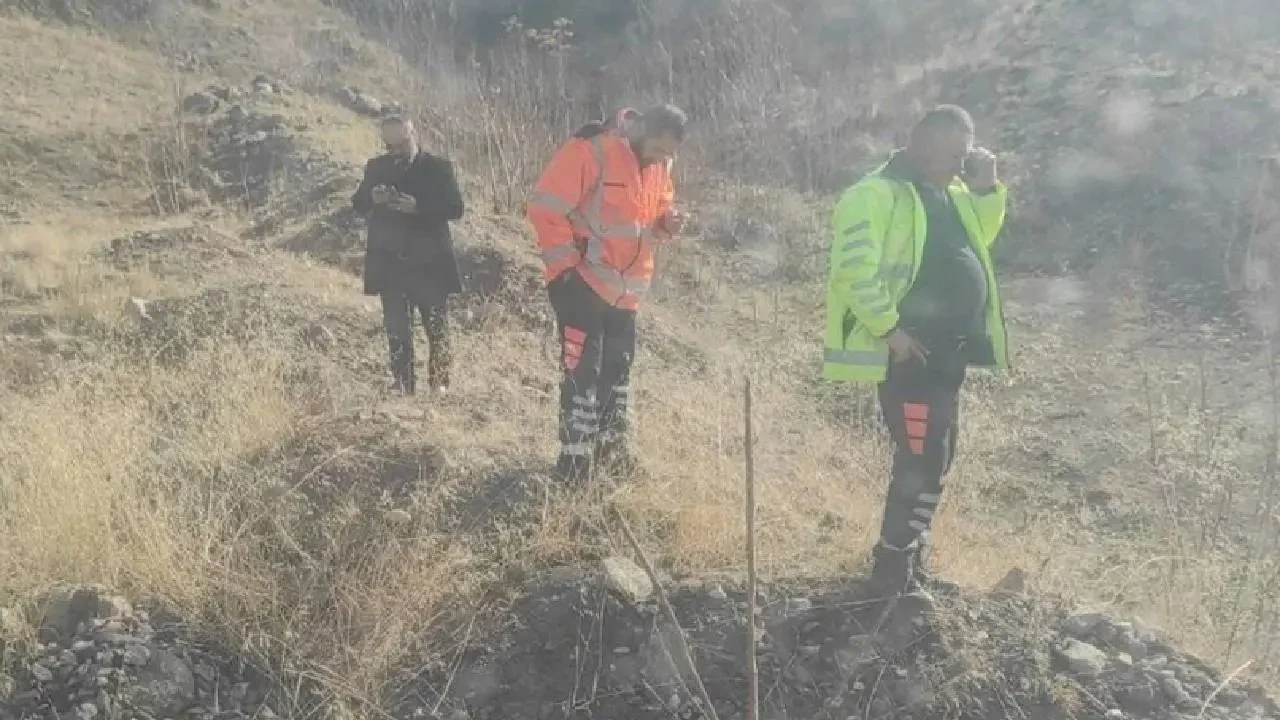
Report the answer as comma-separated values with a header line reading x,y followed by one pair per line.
x,y
906,605
920,570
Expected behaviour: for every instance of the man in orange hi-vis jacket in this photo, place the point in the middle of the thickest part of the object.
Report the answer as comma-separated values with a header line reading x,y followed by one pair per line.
x,y
599,210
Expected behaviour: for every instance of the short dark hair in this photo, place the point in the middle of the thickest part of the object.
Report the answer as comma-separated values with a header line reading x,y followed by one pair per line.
x,y
944,117
665,120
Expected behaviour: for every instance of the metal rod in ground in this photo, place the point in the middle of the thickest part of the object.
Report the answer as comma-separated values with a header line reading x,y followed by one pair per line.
x,y
753,672
685,655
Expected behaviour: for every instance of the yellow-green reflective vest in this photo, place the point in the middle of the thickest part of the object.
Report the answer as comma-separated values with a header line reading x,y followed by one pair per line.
x,y
878,233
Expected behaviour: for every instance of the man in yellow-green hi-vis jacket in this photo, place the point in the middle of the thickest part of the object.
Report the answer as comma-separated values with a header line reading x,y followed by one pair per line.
x,y
912,302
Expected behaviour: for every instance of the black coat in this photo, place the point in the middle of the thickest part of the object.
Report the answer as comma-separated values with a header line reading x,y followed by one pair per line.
x,y
410,252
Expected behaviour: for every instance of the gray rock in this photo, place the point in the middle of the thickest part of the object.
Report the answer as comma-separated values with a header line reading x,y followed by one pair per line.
x,y
1082,625
627,579
201,103
1082,658
137,655
1141,697
86,711
855,653
67,607
164,687
1171,687
1014,582
718,594
1127,640
42,674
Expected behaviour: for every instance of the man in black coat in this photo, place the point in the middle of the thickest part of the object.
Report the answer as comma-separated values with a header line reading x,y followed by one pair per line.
x,y
409,196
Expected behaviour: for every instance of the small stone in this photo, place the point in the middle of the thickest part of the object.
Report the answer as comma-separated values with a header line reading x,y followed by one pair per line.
x,y
398,516
1171,686
1014,582
200,103
799,605
673,702
87,711
1115,714
1141,698
1124,660
42,674
627,579
1105,633
82,647
718,594
1082,625
1082,658
67,658
137,655
622,650
458,715
1128,641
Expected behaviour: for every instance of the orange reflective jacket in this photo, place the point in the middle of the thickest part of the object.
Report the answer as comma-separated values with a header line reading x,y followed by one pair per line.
x,y
597,210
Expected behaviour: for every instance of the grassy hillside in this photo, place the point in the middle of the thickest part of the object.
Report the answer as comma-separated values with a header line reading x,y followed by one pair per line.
x,y
192,385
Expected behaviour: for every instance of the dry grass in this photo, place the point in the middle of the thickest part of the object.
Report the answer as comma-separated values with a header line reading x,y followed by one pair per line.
x,y
247,480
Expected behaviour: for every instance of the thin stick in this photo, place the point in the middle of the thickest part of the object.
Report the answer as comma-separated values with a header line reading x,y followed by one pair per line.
x,y
753,672
686,656
1222,685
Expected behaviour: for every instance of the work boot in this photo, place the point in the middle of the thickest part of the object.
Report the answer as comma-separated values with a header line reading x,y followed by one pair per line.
x,y
923,576
573,469
906,605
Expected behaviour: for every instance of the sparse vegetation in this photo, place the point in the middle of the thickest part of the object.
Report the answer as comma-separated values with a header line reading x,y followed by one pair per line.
x,y
197,414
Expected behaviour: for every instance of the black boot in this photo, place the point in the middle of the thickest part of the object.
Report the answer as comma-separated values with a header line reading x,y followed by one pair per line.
x,y
906,604
920,569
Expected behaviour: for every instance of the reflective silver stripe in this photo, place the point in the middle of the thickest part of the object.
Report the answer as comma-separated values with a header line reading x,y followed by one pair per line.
x,y
576,449
917,525
880,309
929,498
856,357
584,415
551,202
559,253
621,389
584,401
923,512
852,245
865,284
615,282
856,228
866,298
583,428
851,263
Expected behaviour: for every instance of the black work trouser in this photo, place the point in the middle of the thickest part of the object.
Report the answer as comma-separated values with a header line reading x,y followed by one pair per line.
x,y
597,346
398,310
921,407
